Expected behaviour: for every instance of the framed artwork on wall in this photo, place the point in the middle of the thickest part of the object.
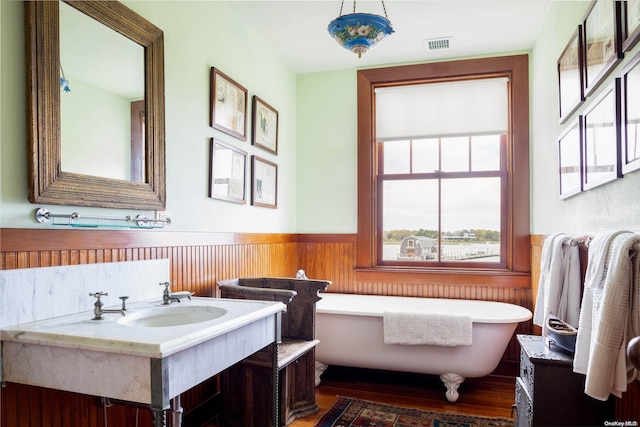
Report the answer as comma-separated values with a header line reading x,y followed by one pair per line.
x,y
570,159
631,115
570,89
227,172
631,13
228,105
602,34
265,126
264,183
601,146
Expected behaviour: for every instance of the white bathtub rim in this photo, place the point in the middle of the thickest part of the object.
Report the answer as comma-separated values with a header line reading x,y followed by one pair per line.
x,y
479,310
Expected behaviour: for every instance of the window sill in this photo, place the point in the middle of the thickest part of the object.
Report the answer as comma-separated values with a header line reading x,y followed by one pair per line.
x,y
458,277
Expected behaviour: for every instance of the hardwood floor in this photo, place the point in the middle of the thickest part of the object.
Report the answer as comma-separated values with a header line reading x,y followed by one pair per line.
x,y
490,396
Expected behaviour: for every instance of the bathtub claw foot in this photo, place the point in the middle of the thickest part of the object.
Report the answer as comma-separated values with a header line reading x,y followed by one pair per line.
x,y
452,381
320,368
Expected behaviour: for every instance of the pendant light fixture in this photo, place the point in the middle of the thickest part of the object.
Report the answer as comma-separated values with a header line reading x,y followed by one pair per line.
x,y
64,83
359,32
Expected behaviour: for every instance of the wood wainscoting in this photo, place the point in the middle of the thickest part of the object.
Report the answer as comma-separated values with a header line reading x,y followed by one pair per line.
x,y
198,260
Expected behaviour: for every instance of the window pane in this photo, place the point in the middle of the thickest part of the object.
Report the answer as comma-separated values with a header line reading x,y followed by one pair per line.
x,y
425,155
396,157
471,219
455,154
485,153
410,208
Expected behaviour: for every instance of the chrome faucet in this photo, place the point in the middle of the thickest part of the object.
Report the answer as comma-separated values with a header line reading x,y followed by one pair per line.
x,y
168,297
97,307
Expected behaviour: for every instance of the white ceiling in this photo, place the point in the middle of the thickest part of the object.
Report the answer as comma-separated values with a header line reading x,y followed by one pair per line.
x,y
297,29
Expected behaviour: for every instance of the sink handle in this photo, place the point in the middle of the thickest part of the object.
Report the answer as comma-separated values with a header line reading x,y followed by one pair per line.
x,y
166,294
98,295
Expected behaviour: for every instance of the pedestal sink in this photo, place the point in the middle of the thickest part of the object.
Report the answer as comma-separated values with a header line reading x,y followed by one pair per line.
x,y
150,356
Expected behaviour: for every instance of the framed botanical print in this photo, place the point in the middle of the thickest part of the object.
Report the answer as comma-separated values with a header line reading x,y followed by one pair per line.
x,y
570,159
265,126
228,105
602,42
264,183
631,13
570,76
631,115
601,145
227,172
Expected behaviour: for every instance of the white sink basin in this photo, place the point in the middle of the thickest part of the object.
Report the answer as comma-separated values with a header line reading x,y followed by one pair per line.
x,y
172,316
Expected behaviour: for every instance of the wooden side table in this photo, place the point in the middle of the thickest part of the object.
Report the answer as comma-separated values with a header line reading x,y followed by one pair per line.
x,y
549,393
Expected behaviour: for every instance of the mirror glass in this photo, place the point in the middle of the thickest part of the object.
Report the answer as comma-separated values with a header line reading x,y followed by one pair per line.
x,y
95,82
104,73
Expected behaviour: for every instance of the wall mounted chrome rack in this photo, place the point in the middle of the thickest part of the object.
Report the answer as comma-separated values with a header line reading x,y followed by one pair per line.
x,y
76,220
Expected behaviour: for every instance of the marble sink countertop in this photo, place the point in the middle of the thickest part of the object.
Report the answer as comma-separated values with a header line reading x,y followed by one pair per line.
x,y
108,335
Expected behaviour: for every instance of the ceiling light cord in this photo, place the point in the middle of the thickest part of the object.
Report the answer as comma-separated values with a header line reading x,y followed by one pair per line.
x,y
384,8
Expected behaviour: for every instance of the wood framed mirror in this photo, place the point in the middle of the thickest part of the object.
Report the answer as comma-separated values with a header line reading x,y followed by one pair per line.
x,y
49,182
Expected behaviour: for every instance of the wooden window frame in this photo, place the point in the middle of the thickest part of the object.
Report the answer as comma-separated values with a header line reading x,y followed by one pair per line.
x,y
516,270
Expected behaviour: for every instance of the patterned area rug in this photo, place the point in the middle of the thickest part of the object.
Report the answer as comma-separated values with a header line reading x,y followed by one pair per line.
x,y
348,412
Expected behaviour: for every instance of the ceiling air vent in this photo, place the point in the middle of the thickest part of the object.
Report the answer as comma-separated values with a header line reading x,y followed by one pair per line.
x,y
437,44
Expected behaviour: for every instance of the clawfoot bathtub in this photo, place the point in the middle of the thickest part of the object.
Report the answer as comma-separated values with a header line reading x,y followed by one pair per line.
x,y
350,330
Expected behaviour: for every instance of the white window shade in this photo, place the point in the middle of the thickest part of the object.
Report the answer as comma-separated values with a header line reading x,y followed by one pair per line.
x,y
469,107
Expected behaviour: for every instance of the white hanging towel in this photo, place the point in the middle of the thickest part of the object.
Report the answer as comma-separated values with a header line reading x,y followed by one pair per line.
x,y
418,328
559,287
606,319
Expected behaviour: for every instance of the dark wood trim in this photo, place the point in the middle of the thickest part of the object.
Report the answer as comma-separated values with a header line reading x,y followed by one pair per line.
x,y
327,238
366,205
29,239
33,239
516,67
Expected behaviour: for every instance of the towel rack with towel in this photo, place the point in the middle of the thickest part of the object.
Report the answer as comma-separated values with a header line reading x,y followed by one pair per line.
x,y
580,241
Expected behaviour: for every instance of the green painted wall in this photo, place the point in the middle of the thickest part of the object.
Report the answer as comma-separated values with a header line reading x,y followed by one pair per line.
x,y
327,152
611,206
197,36
317,157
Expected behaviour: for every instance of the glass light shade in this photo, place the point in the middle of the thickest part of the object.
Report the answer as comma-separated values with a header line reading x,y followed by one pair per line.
x,y
359,32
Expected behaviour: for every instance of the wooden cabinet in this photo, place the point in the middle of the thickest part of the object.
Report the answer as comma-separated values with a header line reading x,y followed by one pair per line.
x,y
549,393
253,393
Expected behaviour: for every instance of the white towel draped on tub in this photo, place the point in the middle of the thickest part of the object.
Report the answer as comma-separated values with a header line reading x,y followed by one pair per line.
x,y
414,328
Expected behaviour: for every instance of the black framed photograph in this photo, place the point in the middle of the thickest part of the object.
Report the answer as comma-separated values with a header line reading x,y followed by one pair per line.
x,y
228,105
227,172
570,159
602,34
264,183
631,13
571,91
601,146
631,115
265,126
